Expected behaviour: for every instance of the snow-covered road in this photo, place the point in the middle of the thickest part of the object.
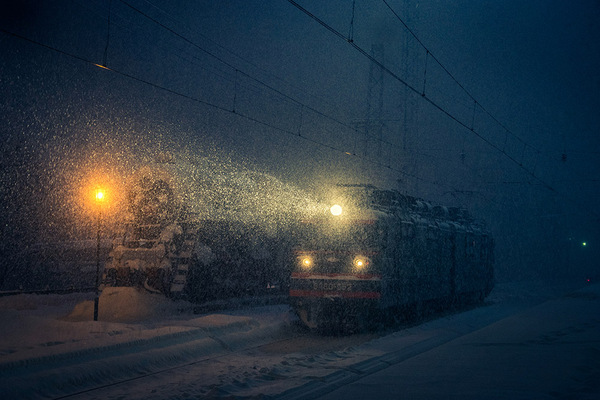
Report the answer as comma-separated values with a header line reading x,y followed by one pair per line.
x,y
147,347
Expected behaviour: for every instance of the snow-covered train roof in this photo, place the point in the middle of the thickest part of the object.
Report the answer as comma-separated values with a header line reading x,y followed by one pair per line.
x,y
414,209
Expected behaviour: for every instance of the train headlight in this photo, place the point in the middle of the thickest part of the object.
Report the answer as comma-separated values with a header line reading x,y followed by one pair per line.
x,y
361,263
336,210
306,262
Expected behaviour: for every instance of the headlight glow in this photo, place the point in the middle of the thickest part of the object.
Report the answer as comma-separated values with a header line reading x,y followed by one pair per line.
x,y
336,210
361,262
306,262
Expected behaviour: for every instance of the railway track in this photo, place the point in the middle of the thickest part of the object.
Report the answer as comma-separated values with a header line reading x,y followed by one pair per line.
x,y
100,390
204,377
91,369
287,362
248,357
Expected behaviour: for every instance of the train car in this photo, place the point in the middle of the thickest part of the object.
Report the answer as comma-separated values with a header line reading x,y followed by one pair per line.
x,y
193,233
380,254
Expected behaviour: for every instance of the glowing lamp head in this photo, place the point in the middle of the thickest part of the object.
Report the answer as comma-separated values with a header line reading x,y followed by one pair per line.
x,y
99,195
336,210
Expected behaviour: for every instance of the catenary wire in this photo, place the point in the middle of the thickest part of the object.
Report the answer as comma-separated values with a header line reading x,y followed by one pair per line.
x,y
223,109
261,83
440,108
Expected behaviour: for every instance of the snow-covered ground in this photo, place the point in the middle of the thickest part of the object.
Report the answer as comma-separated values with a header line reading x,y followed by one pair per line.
x,y
548,351
145,346
52,339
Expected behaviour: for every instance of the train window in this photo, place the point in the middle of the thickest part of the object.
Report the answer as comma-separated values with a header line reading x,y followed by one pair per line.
x,y
364,236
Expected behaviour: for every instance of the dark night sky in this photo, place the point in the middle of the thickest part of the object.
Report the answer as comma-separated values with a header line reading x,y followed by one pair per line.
x,y
299,91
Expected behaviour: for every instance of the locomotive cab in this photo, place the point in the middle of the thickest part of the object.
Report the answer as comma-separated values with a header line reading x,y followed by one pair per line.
x,y
384,255
336,280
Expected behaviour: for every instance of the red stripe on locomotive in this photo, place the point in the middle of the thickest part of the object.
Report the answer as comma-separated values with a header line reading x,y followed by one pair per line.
x,y
336,276
336,293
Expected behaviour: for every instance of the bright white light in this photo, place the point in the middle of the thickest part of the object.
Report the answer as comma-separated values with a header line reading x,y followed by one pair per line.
x,y
99,195
336,210
360,262
306,262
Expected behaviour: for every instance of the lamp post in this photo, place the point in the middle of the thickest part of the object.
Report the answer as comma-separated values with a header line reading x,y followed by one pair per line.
x,y
99,200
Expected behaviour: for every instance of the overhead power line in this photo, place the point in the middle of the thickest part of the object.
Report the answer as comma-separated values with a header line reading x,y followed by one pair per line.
x,y
221,108
477,103
418,92
247,75
470,128
302,106
248,117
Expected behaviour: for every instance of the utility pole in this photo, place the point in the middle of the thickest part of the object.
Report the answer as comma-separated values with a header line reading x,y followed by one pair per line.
x,y
99,200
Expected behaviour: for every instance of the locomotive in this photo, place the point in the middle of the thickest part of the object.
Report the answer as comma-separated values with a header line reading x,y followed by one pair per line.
x,y
381,255
202,232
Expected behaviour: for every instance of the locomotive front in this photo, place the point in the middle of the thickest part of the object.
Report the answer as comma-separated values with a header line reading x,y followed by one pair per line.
x,y
336,281
387,255
155,247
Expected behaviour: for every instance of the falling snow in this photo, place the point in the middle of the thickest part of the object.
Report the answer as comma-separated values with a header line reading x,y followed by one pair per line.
x,y
252,113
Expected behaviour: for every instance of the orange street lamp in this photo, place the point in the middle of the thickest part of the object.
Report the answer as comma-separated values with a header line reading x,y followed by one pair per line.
x,y
99,200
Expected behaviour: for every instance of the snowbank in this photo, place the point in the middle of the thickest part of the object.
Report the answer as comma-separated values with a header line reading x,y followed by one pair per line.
x,y
51,346
42,326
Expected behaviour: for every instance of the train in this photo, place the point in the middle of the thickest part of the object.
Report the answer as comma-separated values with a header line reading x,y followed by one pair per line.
x,y
193,231
201,231
379,255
